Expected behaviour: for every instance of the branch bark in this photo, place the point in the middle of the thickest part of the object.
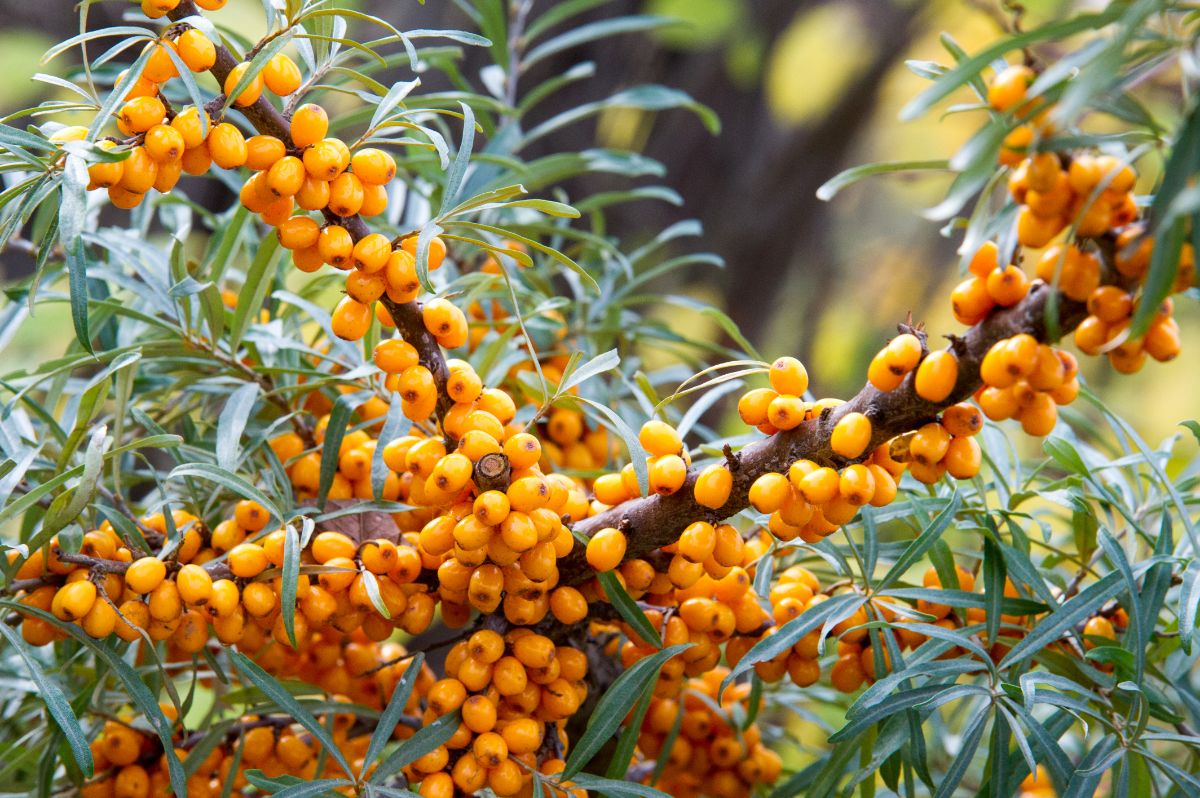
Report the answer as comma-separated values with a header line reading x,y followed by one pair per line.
x,y
656,521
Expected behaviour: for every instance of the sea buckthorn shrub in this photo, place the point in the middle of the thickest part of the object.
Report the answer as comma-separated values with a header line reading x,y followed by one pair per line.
x,y
357,484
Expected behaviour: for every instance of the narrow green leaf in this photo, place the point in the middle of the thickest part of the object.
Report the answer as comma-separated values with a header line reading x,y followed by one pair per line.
x,y
628,609
831,187
614,705
923,542
619,764
56,702
291,579
273,690
335,431
232,423
395,709
228,480
425,740
1073,612
259,276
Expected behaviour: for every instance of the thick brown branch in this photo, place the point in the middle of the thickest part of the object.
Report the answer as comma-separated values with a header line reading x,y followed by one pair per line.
x,y
657,521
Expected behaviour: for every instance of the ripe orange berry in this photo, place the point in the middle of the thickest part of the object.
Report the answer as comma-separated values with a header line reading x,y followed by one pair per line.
x,y
191,126
227,146
568,605
929,444
1007,286
142,113
351,319
74,600
788,376
962,420
606,549
196,160
962,458
326,159
298,232
667,474
281,75
196,50
970,301
363,287
139,172
164,143
713,486
286,176
857,484
145,574
375,200
373,166
371,252
1007,89
937,375
313,194
247,560
769,492
394,355
345,194
253,90
786,411
1098,626
195,585
985,260
309,125
851,435
160,67
659,438
336,246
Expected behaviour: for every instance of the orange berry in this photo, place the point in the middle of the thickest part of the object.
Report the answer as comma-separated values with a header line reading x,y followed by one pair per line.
x,y
298,232
196,50
851,435
227,146
309,125
1007,89
936,376
788,376
373,166
351,319
336,246
606,549
713,486
1007,286
281,75
252,91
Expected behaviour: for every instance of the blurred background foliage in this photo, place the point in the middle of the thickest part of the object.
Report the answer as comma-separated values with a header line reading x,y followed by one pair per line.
x,y
804,89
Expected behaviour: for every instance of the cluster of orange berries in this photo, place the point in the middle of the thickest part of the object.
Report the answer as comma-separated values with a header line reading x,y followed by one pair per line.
x,y
1093,195
1111,309
710,755
178,598
130,763
990,285
512,691
1025,380
162,144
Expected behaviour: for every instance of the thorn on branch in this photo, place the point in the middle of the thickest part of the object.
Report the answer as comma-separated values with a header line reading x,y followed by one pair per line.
x,y
732,459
